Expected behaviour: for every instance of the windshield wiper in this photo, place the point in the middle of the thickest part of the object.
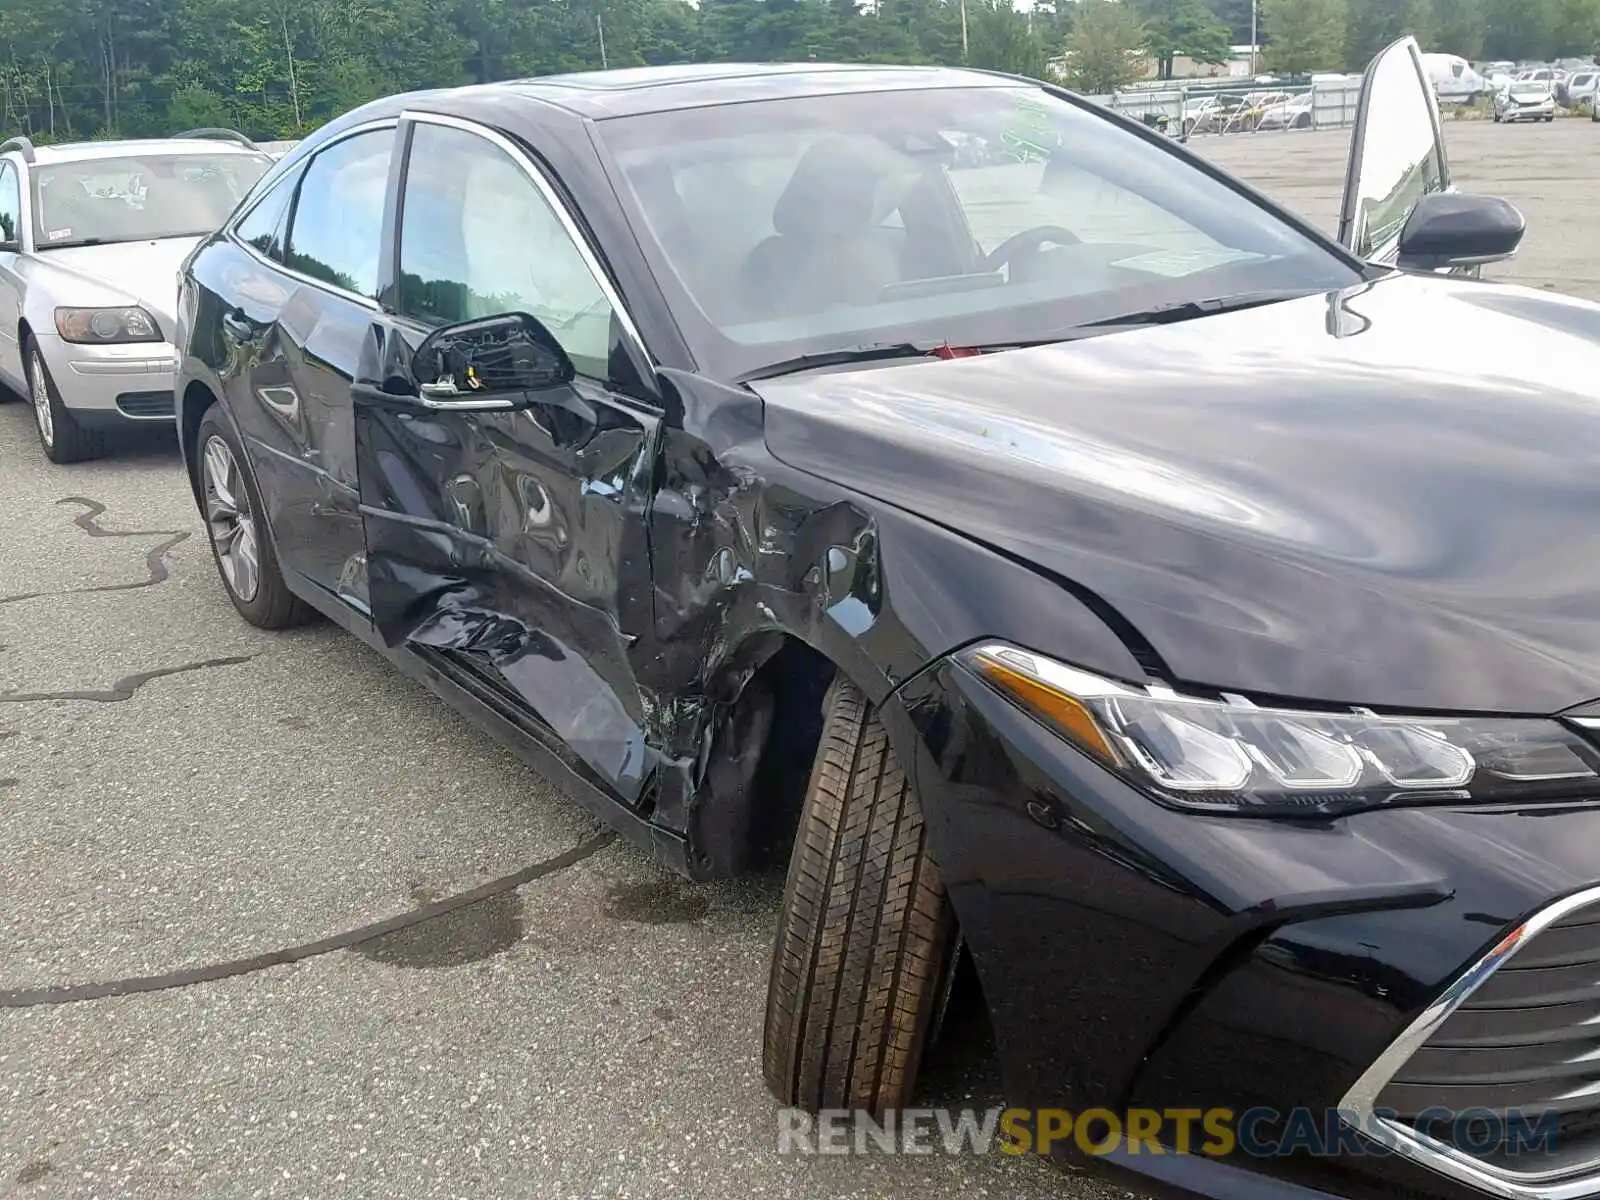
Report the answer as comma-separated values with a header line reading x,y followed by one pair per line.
x,y
835,358
1188,310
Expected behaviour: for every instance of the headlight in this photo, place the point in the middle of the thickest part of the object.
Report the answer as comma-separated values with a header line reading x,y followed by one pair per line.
x,y
106,326
1228,756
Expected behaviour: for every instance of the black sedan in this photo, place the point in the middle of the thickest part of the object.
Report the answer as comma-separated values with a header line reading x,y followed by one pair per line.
x,y
1064,555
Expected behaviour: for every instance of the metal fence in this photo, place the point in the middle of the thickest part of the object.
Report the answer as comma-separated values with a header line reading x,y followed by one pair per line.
x,y
1252,109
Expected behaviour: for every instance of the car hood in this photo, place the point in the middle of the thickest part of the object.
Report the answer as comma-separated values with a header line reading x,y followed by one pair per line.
x,y
122,273
1388,496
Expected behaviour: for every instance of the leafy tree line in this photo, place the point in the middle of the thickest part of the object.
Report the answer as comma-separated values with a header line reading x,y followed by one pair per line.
x,y
277,68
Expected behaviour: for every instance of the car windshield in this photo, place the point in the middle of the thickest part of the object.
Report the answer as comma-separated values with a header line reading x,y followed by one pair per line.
x,y
964,216
139,197
1529,89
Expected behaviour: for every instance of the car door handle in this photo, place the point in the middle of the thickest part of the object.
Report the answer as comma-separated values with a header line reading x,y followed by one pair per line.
x,y
239,327
456,402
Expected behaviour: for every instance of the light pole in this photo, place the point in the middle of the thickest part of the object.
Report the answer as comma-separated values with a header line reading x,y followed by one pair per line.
x,y
1254,38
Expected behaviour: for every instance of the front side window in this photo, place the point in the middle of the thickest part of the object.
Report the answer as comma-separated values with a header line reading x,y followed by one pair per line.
x,y
336,229
478,238
136,198
10,204
967,216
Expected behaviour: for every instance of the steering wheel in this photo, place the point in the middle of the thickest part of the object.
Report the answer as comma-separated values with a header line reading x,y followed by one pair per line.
x,y
1029,241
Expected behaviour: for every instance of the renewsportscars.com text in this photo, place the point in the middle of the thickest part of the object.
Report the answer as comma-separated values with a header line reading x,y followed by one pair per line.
x,y
1214,1132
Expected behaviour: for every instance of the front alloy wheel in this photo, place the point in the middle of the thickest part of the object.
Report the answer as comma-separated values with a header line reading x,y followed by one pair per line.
x,y
63,439
39,392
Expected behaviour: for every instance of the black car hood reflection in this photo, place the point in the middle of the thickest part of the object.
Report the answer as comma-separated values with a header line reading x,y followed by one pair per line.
x,y
1388,496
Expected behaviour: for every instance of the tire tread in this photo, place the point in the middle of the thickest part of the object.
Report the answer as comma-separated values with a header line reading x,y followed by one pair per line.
x,y
865,931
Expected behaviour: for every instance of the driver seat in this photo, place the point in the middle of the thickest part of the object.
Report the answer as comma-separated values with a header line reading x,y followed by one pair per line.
x,y
830,247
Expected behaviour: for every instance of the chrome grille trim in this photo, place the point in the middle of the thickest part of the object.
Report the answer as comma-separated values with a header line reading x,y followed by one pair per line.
x,y
1358,1108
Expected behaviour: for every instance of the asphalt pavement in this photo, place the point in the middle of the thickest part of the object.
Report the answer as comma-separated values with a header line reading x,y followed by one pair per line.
x,y
261,846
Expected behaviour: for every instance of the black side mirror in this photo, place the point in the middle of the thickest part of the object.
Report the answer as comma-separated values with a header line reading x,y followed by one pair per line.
x,y
512,352
1449,229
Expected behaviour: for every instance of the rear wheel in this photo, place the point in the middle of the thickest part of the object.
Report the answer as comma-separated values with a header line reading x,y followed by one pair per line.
x,y
240,543
866,936
62,438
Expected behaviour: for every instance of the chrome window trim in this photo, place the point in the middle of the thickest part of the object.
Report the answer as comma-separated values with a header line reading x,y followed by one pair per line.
x,y
557,205
24,210
1357,1109
232,228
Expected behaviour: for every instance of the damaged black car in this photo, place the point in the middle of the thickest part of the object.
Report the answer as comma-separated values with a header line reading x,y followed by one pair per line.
x,y
1067,557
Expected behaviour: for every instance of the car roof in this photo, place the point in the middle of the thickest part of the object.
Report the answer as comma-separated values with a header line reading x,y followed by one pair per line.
x,y
65,152
629,91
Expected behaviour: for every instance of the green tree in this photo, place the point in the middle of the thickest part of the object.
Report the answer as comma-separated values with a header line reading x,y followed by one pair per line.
x,y
1458,28
1000,42
1304,35
1182,27
1576,28
1519,29
1235,14
1103,52
1373,24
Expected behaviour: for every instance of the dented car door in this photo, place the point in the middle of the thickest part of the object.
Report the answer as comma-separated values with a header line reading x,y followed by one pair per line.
x,y
506,534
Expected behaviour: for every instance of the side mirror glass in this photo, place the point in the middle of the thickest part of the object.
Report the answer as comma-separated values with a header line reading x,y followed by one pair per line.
x,y
1452,230
512,352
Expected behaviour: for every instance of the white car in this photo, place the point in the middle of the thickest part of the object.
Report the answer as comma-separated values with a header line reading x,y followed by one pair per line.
x,y
91,238
1292,113
1525,100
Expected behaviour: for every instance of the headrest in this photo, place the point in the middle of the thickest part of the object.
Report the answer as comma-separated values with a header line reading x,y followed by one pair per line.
x,y
842,185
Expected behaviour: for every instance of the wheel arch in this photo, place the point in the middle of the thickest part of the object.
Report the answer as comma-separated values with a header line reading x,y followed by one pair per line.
x,y
193,403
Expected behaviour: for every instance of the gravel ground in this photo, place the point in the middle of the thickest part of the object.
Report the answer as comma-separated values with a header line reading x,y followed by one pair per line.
x,y
180,792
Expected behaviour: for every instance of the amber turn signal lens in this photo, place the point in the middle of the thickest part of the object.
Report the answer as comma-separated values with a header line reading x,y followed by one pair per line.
x,y
1061,710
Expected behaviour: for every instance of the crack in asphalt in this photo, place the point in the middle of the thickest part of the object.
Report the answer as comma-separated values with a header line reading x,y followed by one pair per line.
x,y
188,977
155,561
124,688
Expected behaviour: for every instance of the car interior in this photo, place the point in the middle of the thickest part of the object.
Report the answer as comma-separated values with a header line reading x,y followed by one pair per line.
x,y
804,225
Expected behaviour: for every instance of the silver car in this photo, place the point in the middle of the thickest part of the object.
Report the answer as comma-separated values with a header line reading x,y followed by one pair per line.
x,y
1525,100
91,238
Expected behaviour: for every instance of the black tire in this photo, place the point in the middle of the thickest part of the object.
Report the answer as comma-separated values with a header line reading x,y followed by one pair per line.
x,y
65,441
866,936
270,604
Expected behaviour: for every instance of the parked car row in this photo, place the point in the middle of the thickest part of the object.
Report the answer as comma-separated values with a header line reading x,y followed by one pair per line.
x,y
1175,617
1247,112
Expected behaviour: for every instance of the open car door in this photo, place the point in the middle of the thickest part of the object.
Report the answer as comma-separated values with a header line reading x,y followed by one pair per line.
x,y
1396,154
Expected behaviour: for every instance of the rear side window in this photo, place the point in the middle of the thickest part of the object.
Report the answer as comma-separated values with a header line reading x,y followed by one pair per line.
x,y
336,231
10,203
263,226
